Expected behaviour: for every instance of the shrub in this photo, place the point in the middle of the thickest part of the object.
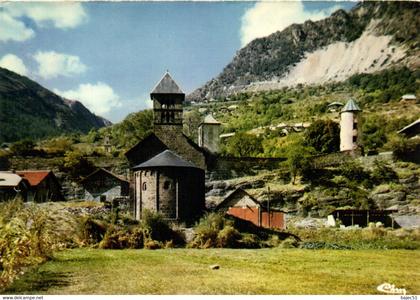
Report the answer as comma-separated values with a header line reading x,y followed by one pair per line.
x,y
353,171
228,237
93,230
26,237
382,172
249,241
155,227
406,149
207,230
122,238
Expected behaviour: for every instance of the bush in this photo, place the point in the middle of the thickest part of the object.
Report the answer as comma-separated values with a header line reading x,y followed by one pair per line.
x,y
77,164
353,171
406,149
207,230
121,238
156,228
93,230
27,237
228,237
382,172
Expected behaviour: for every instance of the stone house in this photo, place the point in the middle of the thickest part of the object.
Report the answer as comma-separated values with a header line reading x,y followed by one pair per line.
x,y
43,185
170,185
243,206
103,185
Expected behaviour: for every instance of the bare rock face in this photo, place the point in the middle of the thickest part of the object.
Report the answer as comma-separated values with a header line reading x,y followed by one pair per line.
x,y
373,36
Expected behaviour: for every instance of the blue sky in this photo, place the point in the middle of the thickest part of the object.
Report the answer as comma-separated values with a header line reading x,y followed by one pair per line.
x,y
110,55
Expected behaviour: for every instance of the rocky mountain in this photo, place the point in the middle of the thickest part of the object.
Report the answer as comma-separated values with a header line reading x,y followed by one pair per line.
x,y
372,36
28,110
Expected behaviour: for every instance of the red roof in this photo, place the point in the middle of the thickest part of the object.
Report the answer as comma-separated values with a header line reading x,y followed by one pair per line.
x,y
34,177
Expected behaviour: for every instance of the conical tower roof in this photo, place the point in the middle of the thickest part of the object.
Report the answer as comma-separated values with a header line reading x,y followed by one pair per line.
x,y
166,158
351,105
166,86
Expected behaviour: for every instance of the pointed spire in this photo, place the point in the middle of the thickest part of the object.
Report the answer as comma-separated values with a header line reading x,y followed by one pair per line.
x,y
166,86
351,105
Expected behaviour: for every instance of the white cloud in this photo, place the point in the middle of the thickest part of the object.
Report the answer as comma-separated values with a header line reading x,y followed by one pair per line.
x,y
99,98
265,18
12,29
13,63
62,15
52,64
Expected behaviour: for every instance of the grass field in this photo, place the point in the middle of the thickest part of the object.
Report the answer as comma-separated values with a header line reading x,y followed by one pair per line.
x,y
187,271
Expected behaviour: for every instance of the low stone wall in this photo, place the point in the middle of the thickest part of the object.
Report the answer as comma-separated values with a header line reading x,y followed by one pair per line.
x,y
222,168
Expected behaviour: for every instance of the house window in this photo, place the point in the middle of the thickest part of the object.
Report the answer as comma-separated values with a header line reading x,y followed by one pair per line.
x,y
102,198
354,138
166,185
144,186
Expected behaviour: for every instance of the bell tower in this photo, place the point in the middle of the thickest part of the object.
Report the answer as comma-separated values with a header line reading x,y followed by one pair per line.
x,y
167,100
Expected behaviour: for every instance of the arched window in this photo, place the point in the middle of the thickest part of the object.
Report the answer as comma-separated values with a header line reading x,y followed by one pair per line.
x,y
144,186
166,185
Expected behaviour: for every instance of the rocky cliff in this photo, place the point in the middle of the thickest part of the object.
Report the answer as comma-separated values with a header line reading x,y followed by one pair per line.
x,y
372,36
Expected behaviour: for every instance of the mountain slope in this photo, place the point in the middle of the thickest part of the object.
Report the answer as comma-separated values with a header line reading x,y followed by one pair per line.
x,y
28,110
371,37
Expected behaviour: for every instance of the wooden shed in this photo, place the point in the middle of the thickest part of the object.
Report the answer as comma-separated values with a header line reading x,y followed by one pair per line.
x,y
43,185
103,185
242,205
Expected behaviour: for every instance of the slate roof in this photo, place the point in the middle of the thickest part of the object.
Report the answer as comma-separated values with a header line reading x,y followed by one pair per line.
x,y
411,129
34,177
166,158
239,191
9,179
105,173
351,105
166,86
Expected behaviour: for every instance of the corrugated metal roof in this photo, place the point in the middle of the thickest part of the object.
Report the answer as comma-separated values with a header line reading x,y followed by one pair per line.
x,y
9,179
351,105
167,86
209,119
33,177
166,158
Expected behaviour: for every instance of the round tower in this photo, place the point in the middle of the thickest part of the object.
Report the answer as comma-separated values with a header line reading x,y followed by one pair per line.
x,y
208,134
350,126
171,186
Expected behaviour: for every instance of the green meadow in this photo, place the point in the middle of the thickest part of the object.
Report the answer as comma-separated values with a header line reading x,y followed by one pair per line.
x,y
188,271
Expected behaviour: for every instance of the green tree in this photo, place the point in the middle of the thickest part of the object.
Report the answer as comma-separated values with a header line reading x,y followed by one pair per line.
x,y
299,162
323,136
22,148
77,164
244,145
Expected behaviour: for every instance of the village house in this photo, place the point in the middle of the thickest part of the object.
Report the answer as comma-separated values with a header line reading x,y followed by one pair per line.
x,y
243,206
12,186
43,185
411,130
103,185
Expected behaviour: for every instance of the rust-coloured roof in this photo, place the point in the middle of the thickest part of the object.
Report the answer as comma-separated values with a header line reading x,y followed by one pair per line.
x,y
34,177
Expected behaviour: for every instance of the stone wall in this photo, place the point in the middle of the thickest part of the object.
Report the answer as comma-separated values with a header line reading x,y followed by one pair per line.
x,y
222,168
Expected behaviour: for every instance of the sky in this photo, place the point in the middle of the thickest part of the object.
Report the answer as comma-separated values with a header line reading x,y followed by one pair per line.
x,y
109,55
